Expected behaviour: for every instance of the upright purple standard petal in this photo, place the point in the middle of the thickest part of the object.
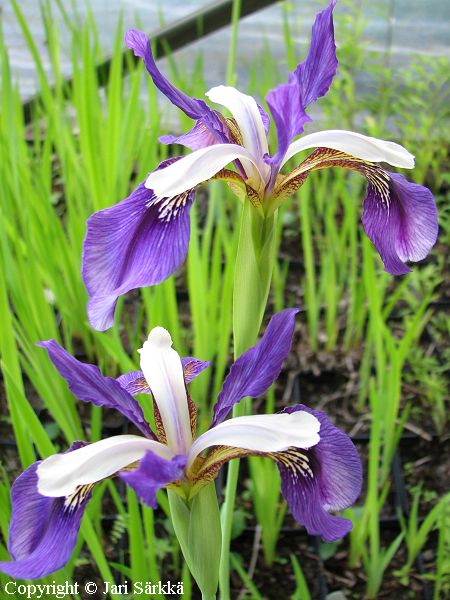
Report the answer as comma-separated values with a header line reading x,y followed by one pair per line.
x,y
326,477
310,80
405,226
257,369
192,107
89,385
152,474
43,531
139,242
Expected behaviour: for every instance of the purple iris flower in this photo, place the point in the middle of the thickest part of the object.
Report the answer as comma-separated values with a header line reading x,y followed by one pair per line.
x,y
142,240
319,466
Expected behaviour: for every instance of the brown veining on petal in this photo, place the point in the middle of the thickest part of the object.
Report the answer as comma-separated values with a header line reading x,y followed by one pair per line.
x,y
160,431
192,414
138,386
206,469
234,133
322,158
239,186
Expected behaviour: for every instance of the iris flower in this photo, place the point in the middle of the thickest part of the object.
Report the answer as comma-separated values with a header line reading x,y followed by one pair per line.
x,y
143,239
319,466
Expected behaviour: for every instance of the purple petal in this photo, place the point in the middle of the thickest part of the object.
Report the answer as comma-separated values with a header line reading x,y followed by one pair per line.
x,y
404,226
139,242
198,137
89,385
43,531
290,118
192,367
152,474
327,477
315,74
257,369
265,118
310,80
192,107
134,383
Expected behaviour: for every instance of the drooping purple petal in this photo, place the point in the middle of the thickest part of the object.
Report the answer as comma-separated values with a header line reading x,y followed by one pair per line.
x,y
43,531
310,80
152,474
89,385
403,227
326,477
139,242
257,369
193,107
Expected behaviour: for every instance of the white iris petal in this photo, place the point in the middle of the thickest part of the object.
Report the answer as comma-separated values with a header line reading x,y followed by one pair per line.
x,y
246,114
163,371
186,173
356,144
61,474
261,433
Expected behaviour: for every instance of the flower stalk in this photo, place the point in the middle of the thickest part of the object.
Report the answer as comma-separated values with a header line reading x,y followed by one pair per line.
x,y
254,267
197,527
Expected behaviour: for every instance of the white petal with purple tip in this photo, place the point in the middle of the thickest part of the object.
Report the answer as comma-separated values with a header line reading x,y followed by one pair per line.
x,y
61,474
355,144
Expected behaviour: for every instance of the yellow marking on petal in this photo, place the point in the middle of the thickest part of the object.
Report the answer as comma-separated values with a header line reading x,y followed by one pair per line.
x,y
294,460
74,500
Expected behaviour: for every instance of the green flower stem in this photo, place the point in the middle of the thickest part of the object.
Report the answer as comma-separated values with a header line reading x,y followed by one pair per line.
x,y
197,527
253,274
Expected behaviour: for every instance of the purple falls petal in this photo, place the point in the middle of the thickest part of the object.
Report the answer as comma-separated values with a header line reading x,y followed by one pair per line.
x,y
139,242
326,477
152,474
43,532
310,80
89,385
403,229
257,369
193,107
